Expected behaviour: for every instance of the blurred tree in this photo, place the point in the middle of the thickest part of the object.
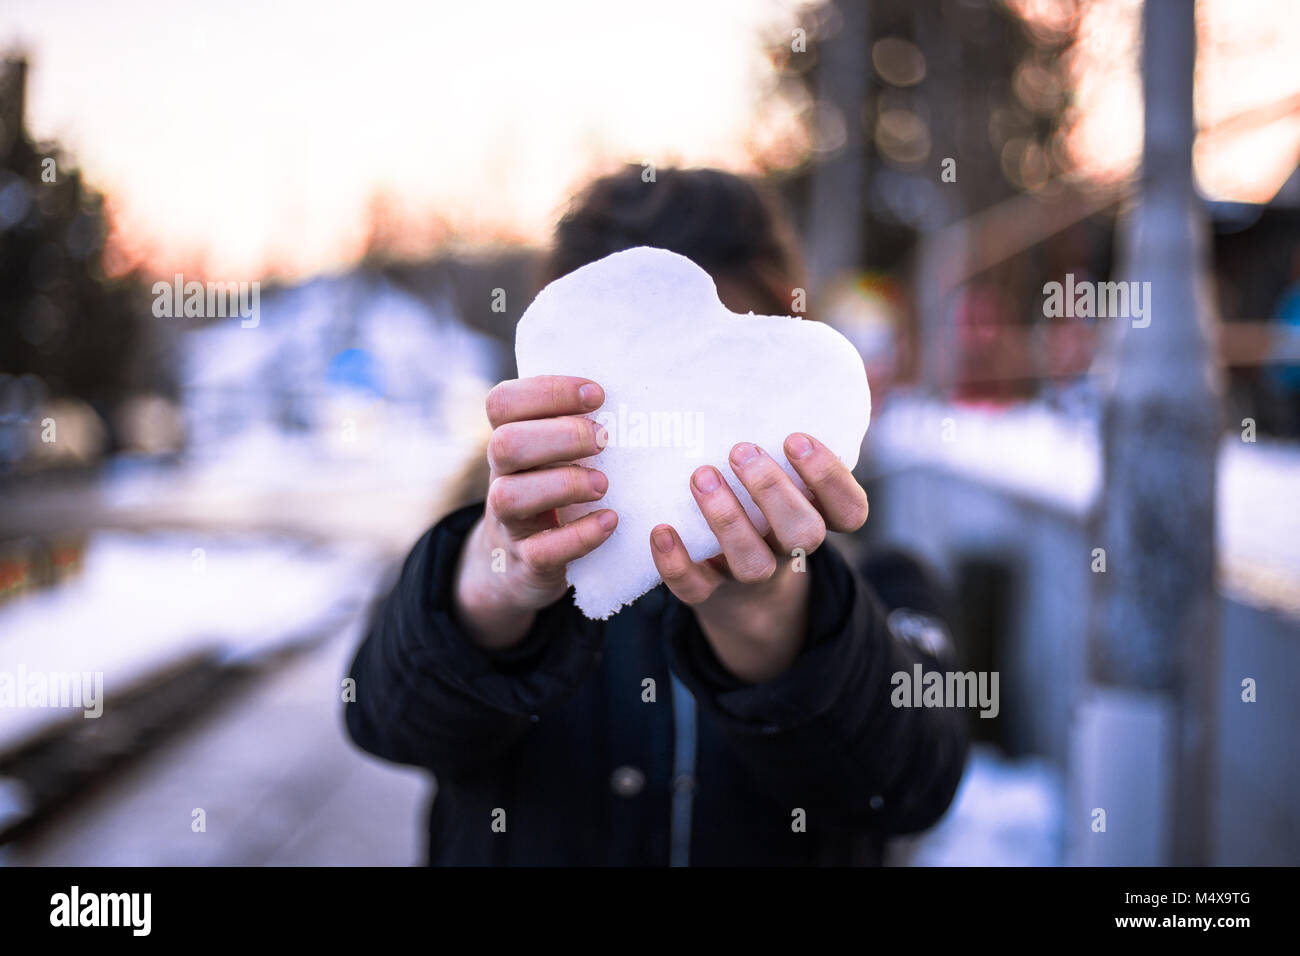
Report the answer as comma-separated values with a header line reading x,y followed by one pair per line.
x,y
957,109
61,319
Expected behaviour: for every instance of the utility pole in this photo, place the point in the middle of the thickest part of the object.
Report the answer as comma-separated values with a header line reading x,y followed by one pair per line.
x,y
1142,741
839,178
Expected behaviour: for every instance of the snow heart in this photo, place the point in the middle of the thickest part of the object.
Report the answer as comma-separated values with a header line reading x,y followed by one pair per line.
x,y
685,380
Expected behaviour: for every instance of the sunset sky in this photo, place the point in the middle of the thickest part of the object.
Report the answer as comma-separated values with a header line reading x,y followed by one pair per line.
x,y
249,135
259,132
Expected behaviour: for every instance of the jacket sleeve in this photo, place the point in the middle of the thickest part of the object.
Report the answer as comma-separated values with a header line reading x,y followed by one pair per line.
x,y
427,695
824,735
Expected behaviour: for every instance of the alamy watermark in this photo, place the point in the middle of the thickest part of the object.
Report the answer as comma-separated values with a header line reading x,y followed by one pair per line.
x,y
1098,300
133,911
628,428
212,300
24,688
923,688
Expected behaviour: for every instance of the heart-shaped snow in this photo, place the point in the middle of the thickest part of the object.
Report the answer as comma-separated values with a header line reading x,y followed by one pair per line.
x,y
685,379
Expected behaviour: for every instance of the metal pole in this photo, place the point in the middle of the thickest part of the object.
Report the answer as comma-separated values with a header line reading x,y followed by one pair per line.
x,y
1142,742
838,180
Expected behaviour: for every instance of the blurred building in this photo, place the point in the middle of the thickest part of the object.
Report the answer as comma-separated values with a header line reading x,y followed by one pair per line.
x,y
326,359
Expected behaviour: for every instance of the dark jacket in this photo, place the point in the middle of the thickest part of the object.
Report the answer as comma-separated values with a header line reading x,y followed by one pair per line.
x,y
579,746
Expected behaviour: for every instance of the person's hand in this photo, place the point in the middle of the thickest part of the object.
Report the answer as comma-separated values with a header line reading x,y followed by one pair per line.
x,y
751,601
513,561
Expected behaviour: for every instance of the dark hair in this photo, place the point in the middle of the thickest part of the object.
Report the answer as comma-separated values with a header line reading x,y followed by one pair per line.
x,y
724,223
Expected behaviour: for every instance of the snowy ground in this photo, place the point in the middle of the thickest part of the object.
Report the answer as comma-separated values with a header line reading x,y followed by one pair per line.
x,y
1005,813
275,775
145,602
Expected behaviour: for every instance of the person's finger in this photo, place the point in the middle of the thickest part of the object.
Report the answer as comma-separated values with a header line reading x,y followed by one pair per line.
x,y
547,552
542,396
840,499
520,497
692,583
747,554
794,521
518,446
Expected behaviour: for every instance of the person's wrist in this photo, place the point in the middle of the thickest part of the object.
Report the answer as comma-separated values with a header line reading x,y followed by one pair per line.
x,y
760,612
483,606
757,631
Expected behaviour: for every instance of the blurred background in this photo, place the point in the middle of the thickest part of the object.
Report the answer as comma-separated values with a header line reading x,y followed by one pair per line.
x,y
203,507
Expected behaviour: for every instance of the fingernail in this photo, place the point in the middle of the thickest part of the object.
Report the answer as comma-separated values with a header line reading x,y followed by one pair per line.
x,y
602,436
664,540
599,483
706,480
799,445
591,396
607,519
744,453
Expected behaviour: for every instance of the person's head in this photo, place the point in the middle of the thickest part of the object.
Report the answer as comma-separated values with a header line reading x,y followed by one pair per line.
x,y
724,223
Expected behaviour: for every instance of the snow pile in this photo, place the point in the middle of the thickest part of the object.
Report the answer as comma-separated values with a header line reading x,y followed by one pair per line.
x,y
1259,523
1042,455
333,350
1027,449
144,603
